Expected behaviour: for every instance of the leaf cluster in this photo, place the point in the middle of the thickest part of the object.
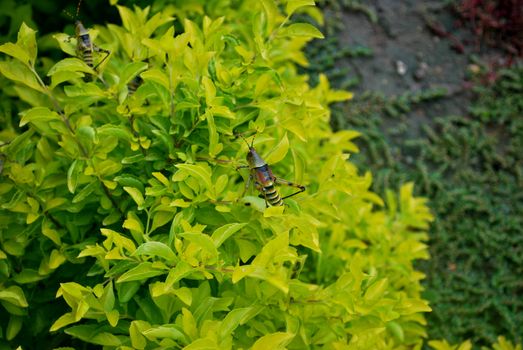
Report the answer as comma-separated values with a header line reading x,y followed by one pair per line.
x,y
121,200
471,168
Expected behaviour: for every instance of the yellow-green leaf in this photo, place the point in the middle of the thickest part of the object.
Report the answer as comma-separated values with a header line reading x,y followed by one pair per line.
x,y
71,64
168,331
156,249
63,321
133,223
279,151
273,211
27,40
221,234
184,294
235,318
161,218
13,295
200,171
396,330
272,12
17,71
38,114
138,341
158,76
56,259
141,272
301,29
14,326
131,70
161,177
273,341
201,240
376,290
136,195
293,5
15,51
466,345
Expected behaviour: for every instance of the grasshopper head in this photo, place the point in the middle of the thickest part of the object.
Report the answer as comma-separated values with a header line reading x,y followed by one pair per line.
x,y
254,159
80,29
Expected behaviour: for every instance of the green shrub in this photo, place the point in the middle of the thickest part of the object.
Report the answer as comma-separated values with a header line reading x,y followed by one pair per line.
x,y
501,344
469,165
122,220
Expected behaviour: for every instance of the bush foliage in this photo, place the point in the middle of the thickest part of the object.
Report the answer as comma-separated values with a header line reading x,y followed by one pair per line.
x,y
122,221
469,165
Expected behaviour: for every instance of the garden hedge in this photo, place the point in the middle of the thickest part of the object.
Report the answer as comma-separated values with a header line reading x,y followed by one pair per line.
x,y
123,219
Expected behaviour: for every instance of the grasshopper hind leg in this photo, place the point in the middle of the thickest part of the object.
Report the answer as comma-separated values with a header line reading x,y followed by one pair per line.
x,y
99,49
280,181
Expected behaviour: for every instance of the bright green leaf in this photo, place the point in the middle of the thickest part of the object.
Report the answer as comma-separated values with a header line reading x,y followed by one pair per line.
x,y
56,259
14,326
17,71
141,272
156,249
13,295
138,341
293,5
235,318
112,317
136,195
396,330
92,334
184,294
161,177
221,234
17,52
85,192
301,29
27,40
274,341
201,172
376,290
75,169
71,64
279,151
158,76
133,223
203,241
181,270
38,114
63,321
169,331
131,70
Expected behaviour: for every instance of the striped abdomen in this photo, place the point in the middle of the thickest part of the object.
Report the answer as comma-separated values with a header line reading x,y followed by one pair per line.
x,y
86,49
271,195
265,179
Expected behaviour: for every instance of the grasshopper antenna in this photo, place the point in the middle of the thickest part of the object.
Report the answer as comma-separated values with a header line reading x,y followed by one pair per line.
x,y
68,14
252,142
75,17
244,140
78,8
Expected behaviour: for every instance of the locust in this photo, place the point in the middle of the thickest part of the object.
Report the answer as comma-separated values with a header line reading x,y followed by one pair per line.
x,y
84,45
264,179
